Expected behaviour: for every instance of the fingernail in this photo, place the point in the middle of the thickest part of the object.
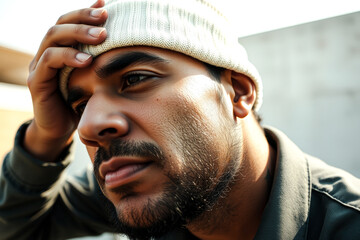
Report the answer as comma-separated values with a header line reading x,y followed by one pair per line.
x,y
82,57
97,12
95,32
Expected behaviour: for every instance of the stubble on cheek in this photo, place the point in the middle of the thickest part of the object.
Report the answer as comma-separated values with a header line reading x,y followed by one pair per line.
x,y
192,141
194,149
199,129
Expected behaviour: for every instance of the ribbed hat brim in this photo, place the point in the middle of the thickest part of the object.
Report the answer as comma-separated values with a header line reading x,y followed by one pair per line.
x,y
192,27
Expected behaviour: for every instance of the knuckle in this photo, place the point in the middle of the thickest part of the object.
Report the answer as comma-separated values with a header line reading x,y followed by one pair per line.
x,y
46,55
78,29
32,65
30,80
61,19
51,31
85,12
67,53
77,14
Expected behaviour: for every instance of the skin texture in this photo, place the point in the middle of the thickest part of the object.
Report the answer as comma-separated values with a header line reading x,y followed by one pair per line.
x,y
177,132
172,106
53,125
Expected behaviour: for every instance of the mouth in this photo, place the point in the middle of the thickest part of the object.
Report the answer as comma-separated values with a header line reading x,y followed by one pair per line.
x,y
119,171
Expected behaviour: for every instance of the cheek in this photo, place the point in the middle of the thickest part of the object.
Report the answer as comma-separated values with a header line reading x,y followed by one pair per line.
x,y
91,151
187,113
204,100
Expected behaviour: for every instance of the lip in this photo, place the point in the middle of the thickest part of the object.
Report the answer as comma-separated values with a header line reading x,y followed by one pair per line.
x,y
118,170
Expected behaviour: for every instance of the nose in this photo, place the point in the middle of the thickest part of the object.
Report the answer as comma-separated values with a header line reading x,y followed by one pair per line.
x,y
102,121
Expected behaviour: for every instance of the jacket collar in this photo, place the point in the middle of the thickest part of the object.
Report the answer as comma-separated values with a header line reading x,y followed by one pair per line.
x,y
286,213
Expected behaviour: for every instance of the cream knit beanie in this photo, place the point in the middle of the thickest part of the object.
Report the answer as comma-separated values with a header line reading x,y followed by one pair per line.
x,y
193,27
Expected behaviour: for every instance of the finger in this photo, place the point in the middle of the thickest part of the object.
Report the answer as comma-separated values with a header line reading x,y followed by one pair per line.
x,y
98,4
93,16
54,59
71,34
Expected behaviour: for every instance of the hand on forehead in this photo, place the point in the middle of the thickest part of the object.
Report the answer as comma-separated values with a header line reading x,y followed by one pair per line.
x,y
192,27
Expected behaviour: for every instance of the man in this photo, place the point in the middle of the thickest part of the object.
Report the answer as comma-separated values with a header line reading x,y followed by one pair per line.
x,y
165,101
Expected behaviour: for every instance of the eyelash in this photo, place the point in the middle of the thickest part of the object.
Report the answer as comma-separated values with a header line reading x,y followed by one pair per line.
x,y
143,77
79,108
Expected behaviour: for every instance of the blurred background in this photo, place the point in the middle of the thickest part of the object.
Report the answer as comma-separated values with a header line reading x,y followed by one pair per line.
x,y
307,52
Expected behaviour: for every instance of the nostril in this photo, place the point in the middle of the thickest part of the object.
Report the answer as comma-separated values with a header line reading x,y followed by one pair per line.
x,y
107,131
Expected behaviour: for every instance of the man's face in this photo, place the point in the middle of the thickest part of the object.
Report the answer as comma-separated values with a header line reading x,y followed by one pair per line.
x,y
159,131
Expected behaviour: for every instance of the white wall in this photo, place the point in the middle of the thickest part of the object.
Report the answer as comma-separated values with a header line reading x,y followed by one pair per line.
x,y
311,76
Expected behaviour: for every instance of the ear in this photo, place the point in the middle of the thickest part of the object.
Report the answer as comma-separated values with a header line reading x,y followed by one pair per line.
x,y
245,94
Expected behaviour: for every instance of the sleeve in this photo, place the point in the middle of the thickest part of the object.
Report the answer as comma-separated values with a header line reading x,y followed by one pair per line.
x,y
38,200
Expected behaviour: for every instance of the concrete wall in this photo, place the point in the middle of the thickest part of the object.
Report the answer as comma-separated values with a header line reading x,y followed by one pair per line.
x,y
311,76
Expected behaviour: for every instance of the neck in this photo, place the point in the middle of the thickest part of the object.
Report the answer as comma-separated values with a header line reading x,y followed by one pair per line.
x,y
238,216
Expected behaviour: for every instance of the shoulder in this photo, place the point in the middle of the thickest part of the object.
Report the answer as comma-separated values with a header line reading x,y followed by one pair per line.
x,y
335,183
335,202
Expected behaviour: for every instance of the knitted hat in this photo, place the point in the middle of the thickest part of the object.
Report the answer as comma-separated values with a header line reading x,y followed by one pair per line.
x,y
193,27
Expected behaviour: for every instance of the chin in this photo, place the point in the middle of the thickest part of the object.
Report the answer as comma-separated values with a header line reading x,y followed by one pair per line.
x,y
134,209
142,216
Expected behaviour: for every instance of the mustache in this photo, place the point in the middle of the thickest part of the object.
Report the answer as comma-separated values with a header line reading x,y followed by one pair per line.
x,y
120,147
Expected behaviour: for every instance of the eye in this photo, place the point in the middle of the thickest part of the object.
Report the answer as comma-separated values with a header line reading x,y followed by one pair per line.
x,y
80,108
134,78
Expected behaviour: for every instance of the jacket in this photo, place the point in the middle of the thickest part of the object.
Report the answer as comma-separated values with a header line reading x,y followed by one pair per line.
x,y
309,199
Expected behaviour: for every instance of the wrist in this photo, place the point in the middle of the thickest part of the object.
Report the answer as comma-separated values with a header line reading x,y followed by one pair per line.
x,y
30,173
45,147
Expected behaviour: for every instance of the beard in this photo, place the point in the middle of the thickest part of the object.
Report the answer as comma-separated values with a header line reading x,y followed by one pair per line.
x,y
189,193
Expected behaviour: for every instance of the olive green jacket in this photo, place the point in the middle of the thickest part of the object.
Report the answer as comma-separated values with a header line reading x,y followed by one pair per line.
x,y
308,200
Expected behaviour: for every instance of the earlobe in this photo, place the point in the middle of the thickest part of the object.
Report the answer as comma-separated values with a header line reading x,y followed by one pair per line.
x,y
245,94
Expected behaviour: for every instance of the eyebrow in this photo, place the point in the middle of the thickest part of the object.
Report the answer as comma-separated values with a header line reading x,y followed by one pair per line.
x,y
117,63
122,61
